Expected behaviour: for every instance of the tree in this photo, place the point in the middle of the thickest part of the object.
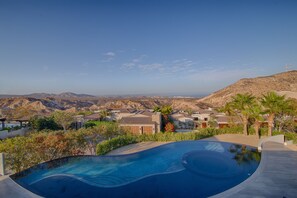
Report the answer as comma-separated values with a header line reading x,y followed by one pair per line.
x,y
189,111
157,109
241,104
228,109
166,110
63,118
256,114
104,114
273,105
43,123
169,127
285,119
96,134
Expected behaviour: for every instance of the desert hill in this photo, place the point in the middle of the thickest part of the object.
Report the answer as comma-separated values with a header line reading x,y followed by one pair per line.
x,y
283,83
43,103
45,106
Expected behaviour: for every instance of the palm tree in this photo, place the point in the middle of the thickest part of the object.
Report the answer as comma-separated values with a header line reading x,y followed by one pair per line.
x,y
157,109
241,104
166,110
274,104
104,114
228,109
256,113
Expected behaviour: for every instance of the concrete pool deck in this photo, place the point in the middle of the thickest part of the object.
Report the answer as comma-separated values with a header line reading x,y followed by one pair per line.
x,y
276,175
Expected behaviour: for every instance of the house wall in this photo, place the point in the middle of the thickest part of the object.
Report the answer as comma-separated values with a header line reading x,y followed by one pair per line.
x,y
203,125
158,119
147,130
223,125
132,129
140,129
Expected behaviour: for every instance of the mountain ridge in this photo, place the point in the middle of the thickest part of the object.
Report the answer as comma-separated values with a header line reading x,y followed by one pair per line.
x,y
280,82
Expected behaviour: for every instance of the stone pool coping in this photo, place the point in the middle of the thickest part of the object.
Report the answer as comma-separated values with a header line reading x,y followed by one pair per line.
x,y
276,175
271,179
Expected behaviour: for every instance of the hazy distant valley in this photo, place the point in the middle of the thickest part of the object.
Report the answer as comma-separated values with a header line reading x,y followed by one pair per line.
x,y
43,103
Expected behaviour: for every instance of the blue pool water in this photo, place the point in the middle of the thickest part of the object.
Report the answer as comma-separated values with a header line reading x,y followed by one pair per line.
x,y
189,168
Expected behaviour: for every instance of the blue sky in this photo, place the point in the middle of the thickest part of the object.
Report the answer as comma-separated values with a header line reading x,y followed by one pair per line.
x,y
157,47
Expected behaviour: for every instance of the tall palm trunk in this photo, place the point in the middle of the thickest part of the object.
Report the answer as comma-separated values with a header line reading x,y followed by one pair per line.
x,y
245,124
270,123
256,127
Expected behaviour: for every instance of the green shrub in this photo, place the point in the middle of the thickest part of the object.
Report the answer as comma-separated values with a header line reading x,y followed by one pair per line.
x,y
45,123
288,135
89,125
109,145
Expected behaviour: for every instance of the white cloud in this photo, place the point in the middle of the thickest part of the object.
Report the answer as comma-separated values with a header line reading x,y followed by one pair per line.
x,y
128,65
109,56
180,66
112,54
152,67
134,63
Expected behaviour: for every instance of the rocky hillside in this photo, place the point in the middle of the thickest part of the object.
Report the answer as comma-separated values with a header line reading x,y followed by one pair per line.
x,y
282,83
44,106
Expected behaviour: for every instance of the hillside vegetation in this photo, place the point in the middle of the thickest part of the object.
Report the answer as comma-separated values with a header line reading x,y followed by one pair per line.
x,y
282,83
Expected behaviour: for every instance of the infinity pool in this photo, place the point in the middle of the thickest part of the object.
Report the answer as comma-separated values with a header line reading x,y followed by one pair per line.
x,y
180,169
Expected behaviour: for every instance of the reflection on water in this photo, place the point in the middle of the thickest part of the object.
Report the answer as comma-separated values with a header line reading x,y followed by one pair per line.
x,y
244,154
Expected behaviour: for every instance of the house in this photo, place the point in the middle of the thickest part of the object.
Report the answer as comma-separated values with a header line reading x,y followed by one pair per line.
x,y
182,121
227,121
2,120
202,117
118,114
141,123
94,117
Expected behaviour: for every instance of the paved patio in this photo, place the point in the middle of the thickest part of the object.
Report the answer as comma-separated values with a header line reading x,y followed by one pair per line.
x,y
276,175
9,189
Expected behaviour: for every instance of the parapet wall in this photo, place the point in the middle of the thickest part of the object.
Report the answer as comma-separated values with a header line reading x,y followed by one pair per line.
x,y
276,138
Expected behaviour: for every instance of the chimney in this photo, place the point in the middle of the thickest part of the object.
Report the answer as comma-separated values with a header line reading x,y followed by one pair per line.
x,y
156,117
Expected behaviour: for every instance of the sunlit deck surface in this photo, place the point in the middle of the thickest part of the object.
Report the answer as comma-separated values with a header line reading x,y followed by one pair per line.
x,y
276,175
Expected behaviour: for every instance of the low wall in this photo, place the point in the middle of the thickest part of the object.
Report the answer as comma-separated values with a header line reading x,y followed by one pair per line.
x,y
276,138
6,134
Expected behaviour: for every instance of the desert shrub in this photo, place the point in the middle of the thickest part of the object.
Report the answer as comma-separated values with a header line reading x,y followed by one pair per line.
x,y
21,154
89,125
37,147
109,145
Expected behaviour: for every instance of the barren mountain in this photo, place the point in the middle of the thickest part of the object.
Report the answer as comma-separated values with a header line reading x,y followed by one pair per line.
x,y
282,83
43,106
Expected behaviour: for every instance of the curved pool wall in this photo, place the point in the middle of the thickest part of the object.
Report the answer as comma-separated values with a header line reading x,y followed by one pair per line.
x,y
189,168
